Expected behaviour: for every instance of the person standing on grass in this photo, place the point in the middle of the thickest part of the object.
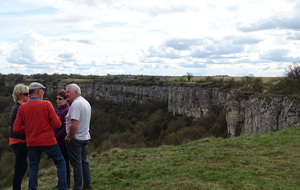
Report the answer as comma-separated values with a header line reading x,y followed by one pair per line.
x,y
60,133
36,119
17,141
78,136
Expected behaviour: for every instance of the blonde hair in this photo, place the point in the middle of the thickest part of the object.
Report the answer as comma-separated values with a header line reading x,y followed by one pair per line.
x,y
18,90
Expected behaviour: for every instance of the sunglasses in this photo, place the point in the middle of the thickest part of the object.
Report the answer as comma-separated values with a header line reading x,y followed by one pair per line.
x,y
59,98
25,94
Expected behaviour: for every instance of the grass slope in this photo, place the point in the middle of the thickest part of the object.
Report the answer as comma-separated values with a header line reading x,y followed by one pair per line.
x,y
263,161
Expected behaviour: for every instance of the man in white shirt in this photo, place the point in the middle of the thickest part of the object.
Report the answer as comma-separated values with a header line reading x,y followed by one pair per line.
x,y
77,127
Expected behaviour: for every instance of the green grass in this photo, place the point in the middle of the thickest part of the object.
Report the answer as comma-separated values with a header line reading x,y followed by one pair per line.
x,y
263,161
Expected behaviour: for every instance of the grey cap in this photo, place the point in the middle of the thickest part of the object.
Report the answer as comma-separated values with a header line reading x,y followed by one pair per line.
x,y
36,85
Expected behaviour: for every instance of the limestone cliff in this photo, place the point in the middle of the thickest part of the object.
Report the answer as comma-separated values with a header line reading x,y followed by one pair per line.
x,y
256,115
246,115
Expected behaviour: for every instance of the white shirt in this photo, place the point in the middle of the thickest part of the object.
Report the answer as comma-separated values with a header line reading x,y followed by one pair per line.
x,y
80,110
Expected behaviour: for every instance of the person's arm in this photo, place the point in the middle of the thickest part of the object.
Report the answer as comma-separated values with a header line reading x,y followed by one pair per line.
x,y
13,114
55,120
73,130
18,126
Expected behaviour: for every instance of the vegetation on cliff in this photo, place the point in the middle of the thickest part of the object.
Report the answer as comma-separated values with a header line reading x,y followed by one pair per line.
x,y
288,84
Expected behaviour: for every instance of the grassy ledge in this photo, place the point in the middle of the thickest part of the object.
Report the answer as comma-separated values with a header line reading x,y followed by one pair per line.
x,y
263,161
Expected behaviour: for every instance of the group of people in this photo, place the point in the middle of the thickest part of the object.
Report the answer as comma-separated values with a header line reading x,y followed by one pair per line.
x,y
62,134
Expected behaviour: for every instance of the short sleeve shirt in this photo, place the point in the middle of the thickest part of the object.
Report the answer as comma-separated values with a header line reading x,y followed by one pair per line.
x,y
80,110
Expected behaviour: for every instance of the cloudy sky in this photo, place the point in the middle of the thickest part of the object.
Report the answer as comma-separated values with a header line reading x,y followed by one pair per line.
x,y
149,37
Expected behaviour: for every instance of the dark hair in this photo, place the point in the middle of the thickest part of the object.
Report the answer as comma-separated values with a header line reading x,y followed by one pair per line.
x,y
62,93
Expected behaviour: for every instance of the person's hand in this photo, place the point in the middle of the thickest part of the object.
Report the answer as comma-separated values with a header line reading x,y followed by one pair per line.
x,y
67,139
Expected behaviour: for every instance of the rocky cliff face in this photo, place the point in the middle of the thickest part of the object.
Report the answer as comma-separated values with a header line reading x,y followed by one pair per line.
x,y
256,115
243,115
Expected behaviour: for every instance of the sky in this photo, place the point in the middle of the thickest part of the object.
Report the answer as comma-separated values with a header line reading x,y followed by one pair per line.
x,y
142,37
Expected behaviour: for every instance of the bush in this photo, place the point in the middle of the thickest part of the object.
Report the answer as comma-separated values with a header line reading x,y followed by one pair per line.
x,y
6,168
126,139
257,85
184,135
290,85
6,102
219,128
177,123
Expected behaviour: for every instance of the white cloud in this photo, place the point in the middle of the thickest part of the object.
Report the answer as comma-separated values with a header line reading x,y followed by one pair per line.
x,y
149,37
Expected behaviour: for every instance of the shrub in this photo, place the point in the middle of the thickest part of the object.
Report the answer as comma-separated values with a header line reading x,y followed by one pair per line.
x,y
6,102
219,128
289,85
6,168
184,135
126,139
257,85
177,123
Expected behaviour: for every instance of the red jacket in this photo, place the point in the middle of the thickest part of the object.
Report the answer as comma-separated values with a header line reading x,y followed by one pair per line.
x,y
36,119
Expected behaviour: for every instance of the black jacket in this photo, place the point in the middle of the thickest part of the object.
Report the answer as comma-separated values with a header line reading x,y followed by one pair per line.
x,y
12,118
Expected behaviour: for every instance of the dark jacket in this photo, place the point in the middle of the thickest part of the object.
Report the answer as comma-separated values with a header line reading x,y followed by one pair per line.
x,y
60,133
12,118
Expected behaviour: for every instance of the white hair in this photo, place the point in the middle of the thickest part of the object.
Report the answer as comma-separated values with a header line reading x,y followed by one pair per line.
x,y
75,88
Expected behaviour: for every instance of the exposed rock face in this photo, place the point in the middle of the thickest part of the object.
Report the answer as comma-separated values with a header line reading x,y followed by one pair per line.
x,y
129,94
256,115
243,115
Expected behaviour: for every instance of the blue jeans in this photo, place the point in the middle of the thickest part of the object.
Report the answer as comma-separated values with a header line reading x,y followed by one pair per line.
x,y
20,167
34,155
77,150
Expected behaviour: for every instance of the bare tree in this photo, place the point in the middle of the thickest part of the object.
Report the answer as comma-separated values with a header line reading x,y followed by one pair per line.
x,y
293,72
189,76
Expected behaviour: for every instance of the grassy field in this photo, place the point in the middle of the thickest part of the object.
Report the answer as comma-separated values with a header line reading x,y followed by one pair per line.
x,y
225,78
263,161
264,79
